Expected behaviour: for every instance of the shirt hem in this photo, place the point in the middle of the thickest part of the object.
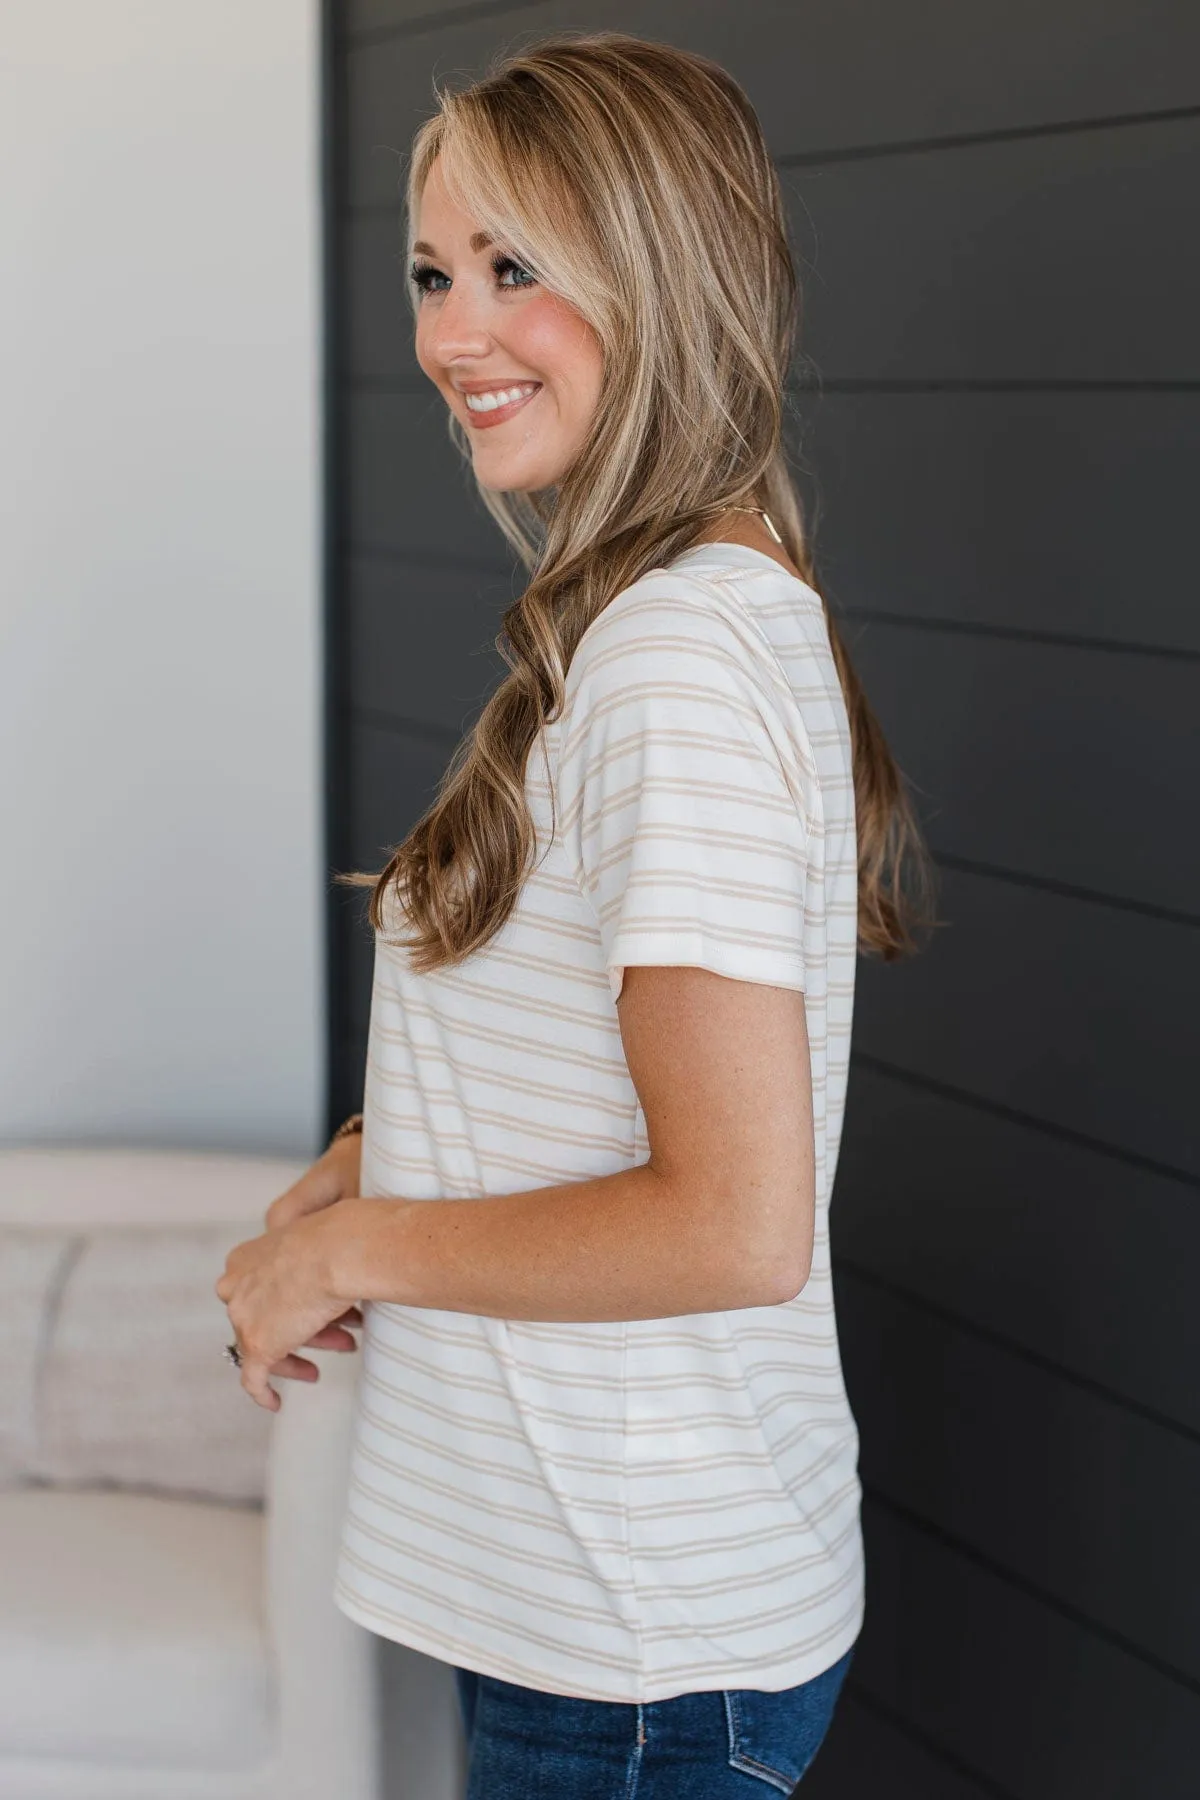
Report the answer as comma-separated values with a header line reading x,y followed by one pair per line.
x,y
788,1673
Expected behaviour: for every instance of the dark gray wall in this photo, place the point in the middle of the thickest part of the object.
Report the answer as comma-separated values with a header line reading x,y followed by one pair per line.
x,y
999,429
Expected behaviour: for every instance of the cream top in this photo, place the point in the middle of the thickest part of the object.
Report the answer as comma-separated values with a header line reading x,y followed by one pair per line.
x,y
624,1511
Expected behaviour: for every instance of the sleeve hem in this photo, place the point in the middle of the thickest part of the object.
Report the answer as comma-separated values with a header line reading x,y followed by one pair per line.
x,y
739,962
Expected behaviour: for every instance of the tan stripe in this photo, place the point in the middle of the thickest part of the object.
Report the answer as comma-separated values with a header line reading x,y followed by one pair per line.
x,y
693,882
537,1521
542,1602
531,1127
644,1514
682,1550
498,1544
642,1334
469,1650
686,1674
443,1061
507,1042
528,1005
718,1547
644,933
714,699
626,1382
667,831
533,1174
602,1334
744,1583
769,743
474,1462
672,607
683,1420
790,1609
404,1081
670,1465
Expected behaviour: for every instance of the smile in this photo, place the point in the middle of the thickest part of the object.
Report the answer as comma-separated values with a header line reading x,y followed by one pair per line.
x,y
494,408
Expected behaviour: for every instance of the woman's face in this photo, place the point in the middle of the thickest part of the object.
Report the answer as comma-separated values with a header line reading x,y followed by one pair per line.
x,y
484,326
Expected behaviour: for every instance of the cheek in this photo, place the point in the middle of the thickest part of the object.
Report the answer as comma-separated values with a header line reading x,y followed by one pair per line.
x,y
562,347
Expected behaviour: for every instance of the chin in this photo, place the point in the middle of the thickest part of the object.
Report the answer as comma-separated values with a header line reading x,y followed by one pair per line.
x,y
514,481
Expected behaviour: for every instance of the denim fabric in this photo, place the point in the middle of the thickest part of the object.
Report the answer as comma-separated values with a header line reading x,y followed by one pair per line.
x,y
731,1744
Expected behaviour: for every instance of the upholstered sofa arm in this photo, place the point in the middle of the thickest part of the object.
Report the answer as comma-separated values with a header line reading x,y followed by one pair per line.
x,y
326,1664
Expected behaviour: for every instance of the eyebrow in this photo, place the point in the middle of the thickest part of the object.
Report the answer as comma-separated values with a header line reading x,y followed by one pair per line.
x,y
479,240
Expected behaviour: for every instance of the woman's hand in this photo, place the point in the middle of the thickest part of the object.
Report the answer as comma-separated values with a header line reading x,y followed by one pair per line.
x,y
334,1176
277,1293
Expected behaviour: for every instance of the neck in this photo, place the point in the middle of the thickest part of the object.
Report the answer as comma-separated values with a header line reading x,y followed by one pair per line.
x,y
745,526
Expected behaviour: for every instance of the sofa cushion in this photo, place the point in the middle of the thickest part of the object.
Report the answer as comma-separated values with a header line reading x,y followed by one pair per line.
x,y
33,1266
132,1630
85,1185
130,1387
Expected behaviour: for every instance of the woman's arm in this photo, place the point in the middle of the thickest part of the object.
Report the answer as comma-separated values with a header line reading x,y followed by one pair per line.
x,y
720,1217
333,1176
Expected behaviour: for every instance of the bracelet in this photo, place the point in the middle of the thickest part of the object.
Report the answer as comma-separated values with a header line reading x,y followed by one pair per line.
x,y
346,1128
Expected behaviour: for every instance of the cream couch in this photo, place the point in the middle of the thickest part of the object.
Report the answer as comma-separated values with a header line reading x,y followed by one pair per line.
x,y
159,1647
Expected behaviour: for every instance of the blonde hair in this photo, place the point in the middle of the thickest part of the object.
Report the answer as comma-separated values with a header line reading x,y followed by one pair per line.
x,y
633,179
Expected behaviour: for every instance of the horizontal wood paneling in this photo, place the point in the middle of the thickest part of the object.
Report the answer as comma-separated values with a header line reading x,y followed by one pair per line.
x,y
866,1756
997,522
1085,1501
355,958
1006,261
843,74
359,18
1020,260
380,322
422,639
1058,1249
348,1076
1054,761
1002,448
395,777
1077,1014
355,1008
1061,762
1065,513
1076,1007
1018,1691
408,488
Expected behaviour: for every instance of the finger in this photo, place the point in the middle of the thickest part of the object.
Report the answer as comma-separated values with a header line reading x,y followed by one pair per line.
x,y
223,1288
351,1317
280,1213
254,1380
296,1368
331,1337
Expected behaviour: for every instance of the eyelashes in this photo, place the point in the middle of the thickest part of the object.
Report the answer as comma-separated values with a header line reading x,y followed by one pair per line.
x,y
422,275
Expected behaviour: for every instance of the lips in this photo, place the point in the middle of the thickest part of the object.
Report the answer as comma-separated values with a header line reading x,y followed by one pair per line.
x,y
498,414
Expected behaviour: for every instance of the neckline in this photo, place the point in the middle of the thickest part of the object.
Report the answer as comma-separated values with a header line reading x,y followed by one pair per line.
x,y
741,550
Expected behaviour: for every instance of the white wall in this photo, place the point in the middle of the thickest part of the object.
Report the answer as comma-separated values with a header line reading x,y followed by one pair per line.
x,y
161,881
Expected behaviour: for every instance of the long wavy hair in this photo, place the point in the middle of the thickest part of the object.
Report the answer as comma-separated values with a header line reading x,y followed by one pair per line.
x,y
633,179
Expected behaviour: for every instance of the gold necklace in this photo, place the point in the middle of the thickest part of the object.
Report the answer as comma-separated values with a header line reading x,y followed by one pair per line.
x,y
769,522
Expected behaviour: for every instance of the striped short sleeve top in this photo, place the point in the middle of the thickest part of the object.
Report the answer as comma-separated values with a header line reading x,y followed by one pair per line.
x,y
623,1511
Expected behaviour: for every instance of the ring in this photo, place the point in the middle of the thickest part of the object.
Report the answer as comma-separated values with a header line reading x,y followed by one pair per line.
x,y
233,1355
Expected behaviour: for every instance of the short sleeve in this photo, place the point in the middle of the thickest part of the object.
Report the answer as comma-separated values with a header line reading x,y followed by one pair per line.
x,y
681,792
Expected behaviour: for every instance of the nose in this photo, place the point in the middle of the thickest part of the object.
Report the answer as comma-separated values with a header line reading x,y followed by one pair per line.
x,y
460,325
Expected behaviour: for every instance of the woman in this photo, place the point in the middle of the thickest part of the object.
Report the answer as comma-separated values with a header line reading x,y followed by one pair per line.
x,y
605,1464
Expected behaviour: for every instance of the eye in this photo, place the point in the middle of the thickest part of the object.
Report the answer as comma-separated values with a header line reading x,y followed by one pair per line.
x,y
423,276
501,264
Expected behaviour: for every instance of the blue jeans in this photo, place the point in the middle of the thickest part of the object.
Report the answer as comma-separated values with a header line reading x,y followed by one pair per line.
x,y
729,1744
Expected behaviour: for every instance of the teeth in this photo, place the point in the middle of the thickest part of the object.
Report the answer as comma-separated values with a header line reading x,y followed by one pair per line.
x,y
500,397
